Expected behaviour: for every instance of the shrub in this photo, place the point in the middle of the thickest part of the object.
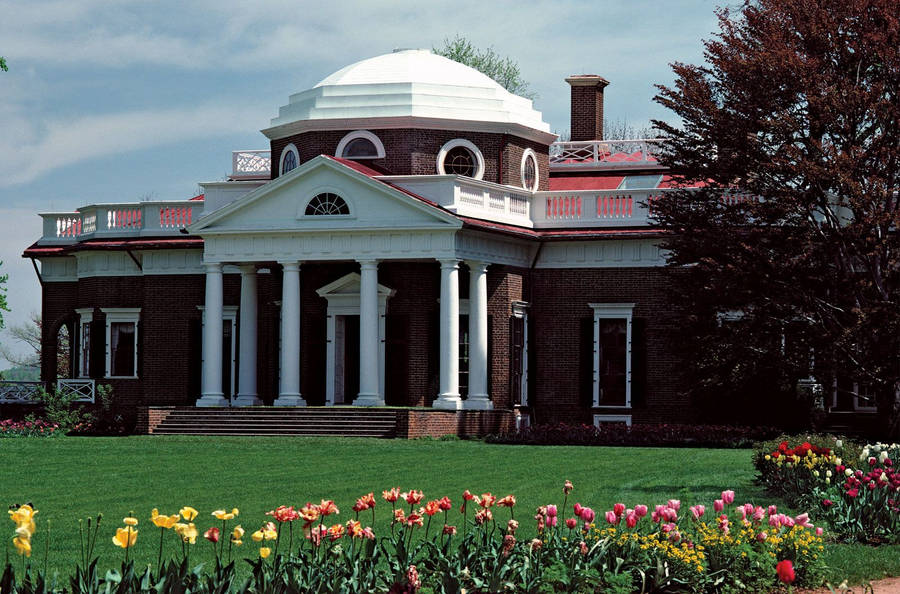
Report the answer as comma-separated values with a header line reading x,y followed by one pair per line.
x,y
651,435
28,428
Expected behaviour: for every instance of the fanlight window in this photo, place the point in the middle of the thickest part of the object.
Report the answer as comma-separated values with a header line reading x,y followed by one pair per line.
x,y
360,148
327,203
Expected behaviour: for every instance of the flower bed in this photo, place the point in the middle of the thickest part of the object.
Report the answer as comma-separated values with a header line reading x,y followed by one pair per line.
x,y
475,545
653,435
859,503
38,428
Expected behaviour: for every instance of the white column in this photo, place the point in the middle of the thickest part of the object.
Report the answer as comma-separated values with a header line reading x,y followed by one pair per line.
x,y
289,392
478,338
211,392
368,335
246,395
448,397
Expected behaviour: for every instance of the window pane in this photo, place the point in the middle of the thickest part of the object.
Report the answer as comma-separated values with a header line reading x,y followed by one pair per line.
x,y
613,345
122,348
360,147
459,161
640,182
84,352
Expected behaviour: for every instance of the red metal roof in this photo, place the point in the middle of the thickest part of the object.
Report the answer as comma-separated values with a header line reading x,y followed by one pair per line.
x,y
585,182
137,243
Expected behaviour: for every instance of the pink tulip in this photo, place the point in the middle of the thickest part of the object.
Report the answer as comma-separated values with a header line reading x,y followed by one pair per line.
x,y
612,518
674,504
655,517
571,523
619,509
578,509
667,528
698,511
551,511
773,509
551,521
762,536
803,520
675,536
631,520
718,505
758,514
587,514
728,497
819,531
640,510
748,509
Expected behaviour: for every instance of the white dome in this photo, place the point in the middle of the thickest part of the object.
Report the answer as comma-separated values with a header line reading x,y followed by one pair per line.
x,y
409,83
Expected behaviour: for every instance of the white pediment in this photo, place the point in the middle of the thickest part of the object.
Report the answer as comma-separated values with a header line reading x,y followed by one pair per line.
x,y
281,205
349,285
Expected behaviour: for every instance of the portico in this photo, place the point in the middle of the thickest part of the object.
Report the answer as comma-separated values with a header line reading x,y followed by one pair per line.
x,y
371,235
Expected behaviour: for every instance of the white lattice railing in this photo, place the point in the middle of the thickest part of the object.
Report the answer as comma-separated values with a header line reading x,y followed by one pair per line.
x,y
611,154
105,220
21,392
251,164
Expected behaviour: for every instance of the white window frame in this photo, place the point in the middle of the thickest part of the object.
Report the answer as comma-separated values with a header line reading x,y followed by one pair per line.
x,y
85,318
121,315
612,419
342,145
612,311
520,310
452,144
291,148
537,173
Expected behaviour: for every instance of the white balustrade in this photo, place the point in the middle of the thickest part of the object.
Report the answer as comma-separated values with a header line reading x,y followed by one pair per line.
x,y
121,220
599,208
251,164
608,154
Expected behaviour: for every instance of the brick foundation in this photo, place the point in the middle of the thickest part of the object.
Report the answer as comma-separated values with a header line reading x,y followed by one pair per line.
x,y
150,417
465,423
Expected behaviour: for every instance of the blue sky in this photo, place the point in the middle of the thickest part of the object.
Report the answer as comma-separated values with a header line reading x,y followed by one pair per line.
x,y
110,101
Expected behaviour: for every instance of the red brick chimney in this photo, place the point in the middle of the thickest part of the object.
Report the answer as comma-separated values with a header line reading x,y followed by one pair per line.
x,y
587,106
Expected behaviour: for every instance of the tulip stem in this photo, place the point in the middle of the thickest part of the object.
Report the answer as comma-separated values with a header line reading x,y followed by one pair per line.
x,y
162,531
47,548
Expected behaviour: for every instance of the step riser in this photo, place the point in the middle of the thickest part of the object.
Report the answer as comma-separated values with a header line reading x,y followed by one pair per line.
x,y
271,422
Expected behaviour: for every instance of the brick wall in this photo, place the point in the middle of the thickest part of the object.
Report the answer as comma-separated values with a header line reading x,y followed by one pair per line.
x,y
414,152
559,306
149,418
466,423
586,105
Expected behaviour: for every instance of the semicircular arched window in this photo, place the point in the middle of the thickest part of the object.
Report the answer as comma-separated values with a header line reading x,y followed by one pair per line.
x,y
327,203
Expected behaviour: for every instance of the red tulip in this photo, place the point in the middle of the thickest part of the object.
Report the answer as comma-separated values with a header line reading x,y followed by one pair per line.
x,y
212,535
785,571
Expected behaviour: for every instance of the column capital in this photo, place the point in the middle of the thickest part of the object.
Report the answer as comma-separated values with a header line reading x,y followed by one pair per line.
x,y
368,263
477,265
212,267
449,263
290,265
248,268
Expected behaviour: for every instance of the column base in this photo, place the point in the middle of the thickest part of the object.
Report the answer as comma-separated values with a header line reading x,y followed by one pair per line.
x,y
448,402
368,400
246,400
289,400
212,400
480,402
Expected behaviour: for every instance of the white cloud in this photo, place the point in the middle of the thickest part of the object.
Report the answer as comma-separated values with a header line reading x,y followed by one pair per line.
x,y
28,151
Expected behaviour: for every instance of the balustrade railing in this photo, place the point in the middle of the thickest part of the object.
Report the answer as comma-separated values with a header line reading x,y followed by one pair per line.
x,y
598,208
29,392
491,201
106,220
251,164
611,154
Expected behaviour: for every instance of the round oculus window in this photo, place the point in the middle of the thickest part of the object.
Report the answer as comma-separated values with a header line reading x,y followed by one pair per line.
x,y
460,161
529,173
289,161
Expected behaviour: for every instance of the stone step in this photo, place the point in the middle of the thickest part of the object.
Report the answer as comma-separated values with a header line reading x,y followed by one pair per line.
x,y
272,431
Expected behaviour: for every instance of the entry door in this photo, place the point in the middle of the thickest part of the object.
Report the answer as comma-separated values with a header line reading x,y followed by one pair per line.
x,y
346,355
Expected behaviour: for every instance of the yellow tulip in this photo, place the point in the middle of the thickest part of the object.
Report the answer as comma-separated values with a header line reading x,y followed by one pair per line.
x,y
237,543
125,537
257,536
24,516
130,521
154,513
237,533
270,534
188,513
264,552
221,514
165,521
23,545
189,534
235,511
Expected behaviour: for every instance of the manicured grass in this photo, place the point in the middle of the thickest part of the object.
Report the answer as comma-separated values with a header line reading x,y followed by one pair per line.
x,y
71,478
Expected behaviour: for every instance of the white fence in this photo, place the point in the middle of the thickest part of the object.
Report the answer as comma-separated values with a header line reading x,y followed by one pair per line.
x,y
22,392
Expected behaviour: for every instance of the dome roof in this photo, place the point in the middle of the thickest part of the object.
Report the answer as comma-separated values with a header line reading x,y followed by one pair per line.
x,y
408,83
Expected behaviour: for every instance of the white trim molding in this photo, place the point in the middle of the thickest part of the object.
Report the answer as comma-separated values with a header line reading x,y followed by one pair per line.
x,y
121,315
612,311
291,148
85,318
469,146
612,419
350,137
537,173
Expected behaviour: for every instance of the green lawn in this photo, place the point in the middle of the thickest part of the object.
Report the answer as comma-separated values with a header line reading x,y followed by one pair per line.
x,y
71,478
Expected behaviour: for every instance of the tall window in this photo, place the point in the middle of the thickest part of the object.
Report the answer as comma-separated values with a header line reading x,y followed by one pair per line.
x,y
290,158
121,341
85,318
612,354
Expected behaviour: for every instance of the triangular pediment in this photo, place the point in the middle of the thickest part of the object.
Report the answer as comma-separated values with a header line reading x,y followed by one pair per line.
x,y
282,205
349,285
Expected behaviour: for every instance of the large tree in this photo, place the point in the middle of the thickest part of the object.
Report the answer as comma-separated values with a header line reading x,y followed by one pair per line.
x,y
788,258
502,69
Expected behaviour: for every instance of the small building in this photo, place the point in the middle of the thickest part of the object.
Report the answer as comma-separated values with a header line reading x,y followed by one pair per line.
x,y
413,236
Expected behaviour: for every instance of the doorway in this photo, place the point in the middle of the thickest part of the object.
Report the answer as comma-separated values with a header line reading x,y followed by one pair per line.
x,y
346,358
